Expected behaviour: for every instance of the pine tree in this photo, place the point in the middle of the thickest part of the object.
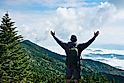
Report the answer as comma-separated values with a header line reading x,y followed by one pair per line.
x,y
14,61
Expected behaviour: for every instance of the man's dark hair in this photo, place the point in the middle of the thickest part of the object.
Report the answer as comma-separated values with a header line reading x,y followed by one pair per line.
x,y
73,38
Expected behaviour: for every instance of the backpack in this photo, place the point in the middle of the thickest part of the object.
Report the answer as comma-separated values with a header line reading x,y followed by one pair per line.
x,y
73,57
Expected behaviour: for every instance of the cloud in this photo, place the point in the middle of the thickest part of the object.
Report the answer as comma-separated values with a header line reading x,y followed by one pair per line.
x,y
68,18
63,3
49,3
64,21
39,5
118,3
77,19
111,61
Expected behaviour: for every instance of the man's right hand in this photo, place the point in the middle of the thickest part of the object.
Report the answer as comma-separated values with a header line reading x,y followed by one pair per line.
x,y
52,33
96,33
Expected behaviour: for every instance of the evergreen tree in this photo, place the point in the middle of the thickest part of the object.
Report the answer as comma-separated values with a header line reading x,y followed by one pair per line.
x,y
14,61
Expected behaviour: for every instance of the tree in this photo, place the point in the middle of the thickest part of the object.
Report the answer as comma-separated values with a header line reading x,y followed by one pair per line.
x,y
14,61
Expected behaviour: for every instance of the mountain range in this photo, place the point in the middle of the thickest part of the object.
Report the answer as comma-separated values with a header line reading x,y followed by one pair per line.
x,y
46,61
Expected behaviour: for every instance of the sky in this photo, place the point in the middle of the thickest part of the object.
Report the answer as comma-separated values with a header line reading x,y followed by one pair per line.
x,y
36,18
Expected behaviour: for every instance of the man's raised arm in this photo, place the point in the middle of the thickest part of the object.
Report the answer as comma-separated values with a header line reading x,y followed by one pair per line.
x,y
85,45
57,40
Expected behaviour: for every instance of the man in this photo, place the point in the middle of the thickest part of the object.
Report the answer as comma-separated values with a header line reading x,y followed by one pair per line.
x,y
73,69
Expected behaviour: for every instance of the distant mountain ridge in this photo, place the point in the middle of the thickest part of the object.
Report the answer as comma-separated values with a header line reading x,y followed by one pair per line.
x,y
111,55
87,65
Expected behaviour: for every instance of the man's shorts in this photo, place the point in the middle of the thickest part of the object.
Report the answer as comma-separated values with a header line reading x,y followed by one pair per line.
x,y
73,72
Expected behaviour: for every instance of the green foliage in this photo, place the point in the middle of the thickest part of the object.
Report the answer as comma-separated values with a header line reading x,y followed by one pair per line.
x,y
30,63
47,70
49,67
96,66
14,61
94,78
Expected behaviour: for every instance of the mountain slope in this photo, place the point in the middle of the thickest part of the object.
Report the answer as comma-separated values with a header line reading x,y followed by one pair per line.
x,y
97,66
32,47
51,62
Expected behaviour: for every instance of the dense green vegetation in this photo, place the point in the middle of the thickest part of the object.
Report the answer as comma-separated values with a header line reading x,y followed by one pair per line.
x,y
14,61
26,62
47,63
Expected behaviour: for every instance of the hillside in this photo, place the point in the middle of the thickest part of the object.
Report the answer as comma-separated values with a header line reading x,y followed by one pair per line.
x,y
97,66
45,61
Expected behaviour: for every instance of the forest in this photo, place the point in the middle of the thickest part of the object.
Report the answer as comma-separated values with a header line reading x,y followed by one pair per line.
x,y
22,61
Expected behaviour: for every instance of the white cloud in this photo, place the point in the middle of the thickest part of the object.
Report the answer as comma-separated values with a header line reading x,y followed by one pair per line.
x,y
111,35
111,61
81,21
118,3
114,62
71,17
119,14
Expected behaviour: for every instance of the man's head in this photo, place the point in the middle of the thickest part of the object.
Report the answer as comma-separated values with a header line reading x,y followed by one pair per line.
x,y
73,38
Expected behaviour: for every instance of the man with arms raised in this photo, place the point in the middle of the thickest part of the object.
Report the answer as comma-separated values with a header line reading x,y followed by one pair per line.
x,y
73,53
